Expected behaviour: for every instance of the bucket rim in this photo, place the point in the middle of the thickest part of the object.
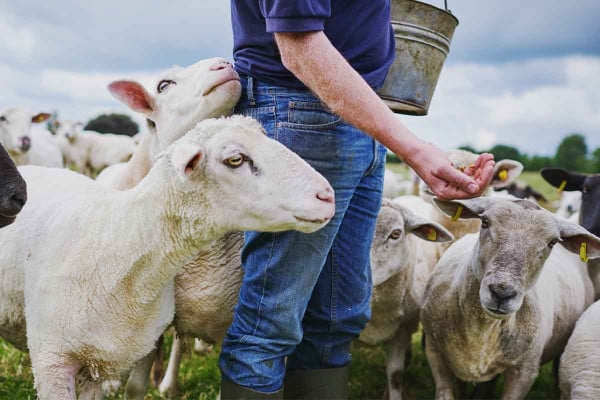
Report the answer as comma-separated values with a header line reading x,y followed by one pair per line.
x,y
437,8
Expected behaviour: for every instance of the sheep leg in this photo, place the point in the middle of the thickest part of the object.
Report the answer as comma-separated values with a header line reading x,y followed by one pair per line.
x,y
445,381
396,363
158,370
201,347
139,379
169,385
54,378
519,381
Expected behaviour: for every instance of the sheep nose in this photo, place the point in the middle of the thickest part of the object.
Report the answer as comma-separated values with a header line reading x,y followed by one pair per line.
x,y
326,195
220,66
502,292
25,143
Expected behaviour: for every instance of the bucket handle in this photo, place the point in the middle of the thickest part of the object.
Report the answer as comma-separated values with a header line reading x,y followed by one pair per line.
x,y
446,6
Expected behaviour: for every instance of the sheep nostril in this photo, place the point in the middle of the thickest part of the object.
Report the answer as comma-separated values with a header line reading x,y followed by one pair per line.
x,y
326,195
220,66
18,200
501,292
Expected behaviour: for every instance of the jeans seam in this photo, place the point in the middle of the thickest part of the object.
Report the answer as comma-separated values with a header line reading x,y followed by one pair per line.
x,y
375,160
333,315
262,295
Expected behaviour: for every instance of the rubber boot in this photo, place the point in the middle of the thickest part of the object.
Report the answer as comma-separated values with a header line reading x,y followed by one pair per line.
x,y
316,384
233,391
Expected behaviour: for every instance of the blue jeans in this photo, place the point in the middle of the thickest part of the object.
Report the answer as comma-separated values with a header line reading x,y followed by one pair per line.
x,y
306,296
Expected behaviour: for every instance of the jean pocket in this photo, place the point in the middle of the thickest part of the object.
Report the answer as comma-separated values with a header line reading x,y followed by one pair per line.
x,y
313,116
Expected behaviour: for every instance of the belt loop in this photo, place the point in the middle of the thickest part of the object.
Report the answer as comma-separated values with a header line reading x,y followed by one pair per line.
x,y
250,91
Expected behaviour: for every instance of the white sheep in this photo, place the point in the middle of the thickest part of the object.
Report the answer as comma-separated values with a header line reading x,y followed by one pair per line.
x,y
28,145
399,278
184,96
89,152
505,301
570,204
91,269
13,190
580,362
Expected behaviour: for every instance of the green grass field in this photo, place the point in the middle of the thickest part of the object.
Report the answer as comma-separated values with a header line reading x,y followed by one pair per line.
x,y
199,375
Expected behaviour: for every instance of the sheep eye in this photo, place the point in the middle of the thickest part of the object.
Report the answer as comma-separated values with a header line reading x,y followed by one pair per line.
x,y
552,243
2,118
163,85
485,223
235,161
395,235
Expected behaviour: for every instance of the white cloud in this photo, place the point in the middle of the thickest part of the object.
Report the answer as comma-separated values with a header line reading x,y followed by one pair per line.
x,y
16,41
515,103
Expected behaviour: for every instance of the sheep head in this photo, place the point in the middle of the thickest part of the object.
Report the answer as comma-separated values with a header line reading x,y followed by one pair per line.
x,y
515,240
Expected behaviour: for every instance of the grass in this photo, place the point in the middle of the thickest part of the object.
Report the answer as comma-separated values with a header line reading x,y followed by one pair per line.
x,y
199,374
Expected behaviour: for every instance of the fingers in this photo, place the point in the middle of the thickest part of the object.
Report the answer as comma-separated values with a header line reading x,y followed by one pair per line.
x,y
458,179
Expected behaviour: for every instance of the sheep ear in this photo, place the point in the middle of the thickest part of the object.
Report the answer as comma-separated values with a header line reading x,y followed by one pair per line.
x,y
186,158
562,179
578,240
41,117
430,231
505,172
133,95
467,209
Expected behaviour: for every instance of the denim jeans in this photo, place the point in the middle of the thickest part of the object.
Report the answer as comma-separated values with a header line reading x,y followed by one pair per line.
x,y
306,296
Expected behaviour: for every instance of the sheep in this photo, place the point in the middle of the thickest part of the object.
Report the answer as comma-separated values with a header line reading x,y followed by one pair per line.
x,y
89,152
13,190
185,96
506,300
521,190
399,278
395,185
589,214
92,270
28,146
570,203
580,362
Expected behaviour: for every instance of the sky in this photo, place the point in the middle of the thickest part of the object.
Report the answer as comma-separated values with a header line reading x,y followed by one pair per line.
x,y
524,73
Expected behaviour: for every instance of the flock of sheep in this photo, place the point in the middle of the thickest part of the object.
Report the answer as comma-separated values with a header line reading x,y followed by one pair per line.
x,y
92,272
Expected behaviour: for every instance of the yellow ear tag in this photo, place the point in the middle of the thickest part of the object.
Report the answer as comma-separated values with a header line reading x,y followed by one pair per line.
x,y
562,186
431,234
457,214
583,252
503,175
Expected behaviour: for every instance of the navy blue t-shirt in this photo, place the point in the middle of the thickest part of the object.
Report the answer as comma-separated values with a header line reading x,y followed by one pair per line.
x,y
359,29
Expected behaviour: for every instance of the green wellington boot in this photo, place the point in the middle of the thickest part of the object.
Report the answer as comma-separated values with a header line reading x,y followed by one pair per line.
x,y
316,384
232,391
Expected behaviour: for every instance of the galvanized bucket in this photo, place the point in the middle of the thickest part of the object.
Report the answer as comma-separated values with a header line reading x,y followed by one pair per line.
x,y
423,34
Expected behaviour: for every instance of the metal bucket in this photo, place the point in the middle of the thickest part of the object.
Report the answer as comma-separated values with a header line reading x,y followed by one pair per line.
x,y
423,34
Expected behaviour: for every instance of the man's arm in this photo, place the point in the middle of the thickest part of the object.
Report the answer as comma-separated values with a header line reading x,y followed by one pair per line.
x,y
312,58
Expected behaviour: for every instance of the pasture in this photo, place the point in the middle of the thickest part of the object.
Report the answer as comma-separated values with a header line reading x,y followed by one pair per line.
x,y
199,374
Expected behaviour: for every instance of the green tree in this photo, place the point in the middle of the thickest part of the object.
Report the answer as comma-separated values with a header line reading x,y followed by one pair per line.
x,y
113,123
536,163
502,151
572,154
595,168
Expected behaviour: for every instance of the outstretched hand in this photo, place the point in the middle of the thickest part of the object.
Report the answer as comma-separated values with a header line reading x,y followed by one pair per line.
x,y
434,167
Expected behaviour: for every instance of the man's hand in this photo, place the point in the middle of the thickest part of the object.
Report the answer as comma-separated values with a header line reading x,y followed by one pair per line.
x,y
433,166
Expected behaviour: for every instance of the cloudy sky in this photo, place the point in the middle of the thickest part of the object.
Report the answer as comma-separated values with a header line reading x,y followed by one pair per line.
x,y
524,73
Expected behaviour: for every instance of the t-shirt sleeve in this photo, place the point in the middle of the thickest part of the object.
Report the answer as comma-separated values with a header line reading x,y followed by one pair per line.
x,y
295,15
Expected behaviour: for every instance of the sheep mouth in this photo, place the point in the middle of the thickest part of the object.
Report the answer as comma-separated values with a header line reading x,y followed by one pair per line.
x,y
312,221
496,313
229,77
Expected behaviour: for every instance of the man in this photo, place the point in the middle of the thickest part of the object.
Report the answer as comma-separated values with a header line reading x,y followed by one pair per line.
x,y
308,70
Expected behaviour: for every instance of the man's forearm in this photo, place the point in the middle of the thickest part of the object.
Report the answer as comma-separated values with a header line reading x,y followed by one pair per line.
x,y
312,58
